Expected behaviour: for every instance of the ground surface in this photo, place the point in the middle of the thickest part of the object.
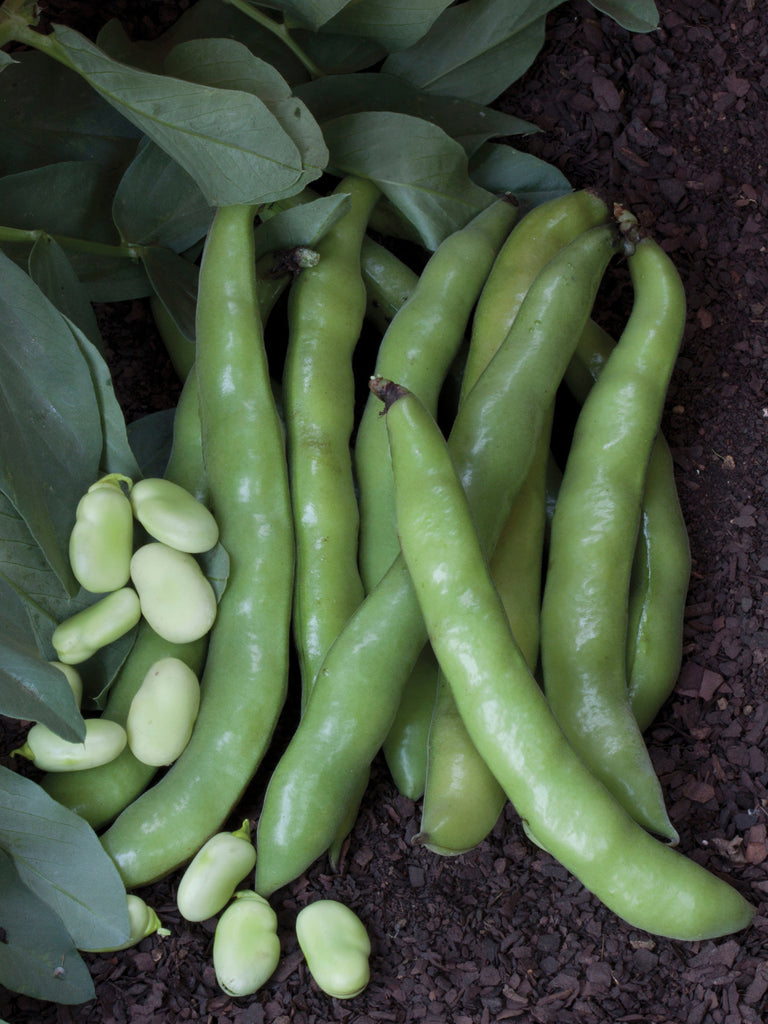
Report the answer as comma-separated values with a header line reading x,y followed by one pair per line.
x,y
676,124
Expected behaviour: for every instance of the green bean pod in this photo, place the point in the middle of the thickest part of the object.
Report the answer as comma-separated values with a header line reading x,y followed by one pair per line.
x,y
462,797
418,347
593,539
388,282
658,589
358,688
244,683
462,800
573,816
661,567
99,794
326,308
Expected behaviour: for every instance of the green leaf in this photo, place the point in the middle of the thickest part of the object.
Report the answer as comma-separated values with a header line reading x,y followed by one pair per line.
x,y
312,13
59,857
50,430
55,276
30,688
38,958
633,15
469,123
427,180
174,281
476,49
116,456
205,19
71,197
48,114
158,203
500,168
300,225
396,24
151,437
338,54
230,143
227,64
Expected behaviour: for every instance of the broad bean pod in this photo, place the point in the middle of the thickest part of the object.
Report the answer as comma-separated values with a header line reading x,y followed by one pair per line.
x,y
326,307
569,811
462,799
419,347
359,686
244,683
593,538
661,566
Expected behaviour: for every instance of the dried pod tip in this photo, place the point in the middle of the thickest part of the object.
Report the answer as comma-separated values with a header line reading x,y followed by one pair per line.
x,y
387,391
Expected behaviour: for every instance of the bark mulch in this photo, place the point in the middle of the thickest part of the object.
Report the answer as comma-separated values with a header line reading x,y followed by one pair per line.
x,y
675,123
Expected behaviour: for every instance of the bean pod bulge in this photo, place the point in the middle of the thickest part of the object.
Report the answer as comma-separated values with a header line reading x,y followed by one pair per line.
x,y
163,712
170,514
336,946
176,599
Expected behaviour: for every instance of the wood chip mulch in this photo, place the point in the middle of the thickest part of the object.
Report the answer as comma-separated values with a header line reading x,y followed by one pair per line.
x,y
676,124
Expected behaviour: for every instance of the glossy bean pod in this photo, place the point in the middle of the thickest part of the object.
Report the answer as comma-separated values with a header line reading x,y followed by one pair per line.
x,y
326,308
569,811
358,688
661,566
244,682
593,539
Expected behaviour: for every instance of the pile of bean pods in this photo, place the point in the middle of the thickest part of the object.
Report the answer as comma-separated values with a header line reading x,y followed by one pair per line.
x,y
503,624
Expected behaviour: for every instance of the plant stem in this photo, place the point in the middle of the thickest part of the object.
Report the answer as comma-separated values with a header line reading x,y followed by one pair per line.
x,y
279,30
83,245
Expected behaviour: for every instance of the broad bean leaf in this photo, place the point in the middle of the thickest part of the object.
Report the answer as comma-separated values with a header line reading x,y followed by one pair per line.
x,y
158,203
30,688
633,15
229,142
50,428
427,180
174,282
300,225
312,13
71,197
500,168
227,64
55,276
395,24
24,568
476,49
116,455
49,114
205,19
151,437
38,957
469,123
59,857
338,54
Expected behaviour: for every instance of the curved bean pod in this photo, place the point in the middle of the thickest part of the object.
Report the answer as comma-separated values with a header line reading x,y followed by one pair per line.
x,y
592,543
325,313
661,567
359,686
243,686
573,816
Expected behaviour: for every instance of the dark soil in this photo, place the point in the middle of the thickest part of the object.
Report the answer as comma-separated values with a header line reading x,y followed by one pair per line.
x,y
675,123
